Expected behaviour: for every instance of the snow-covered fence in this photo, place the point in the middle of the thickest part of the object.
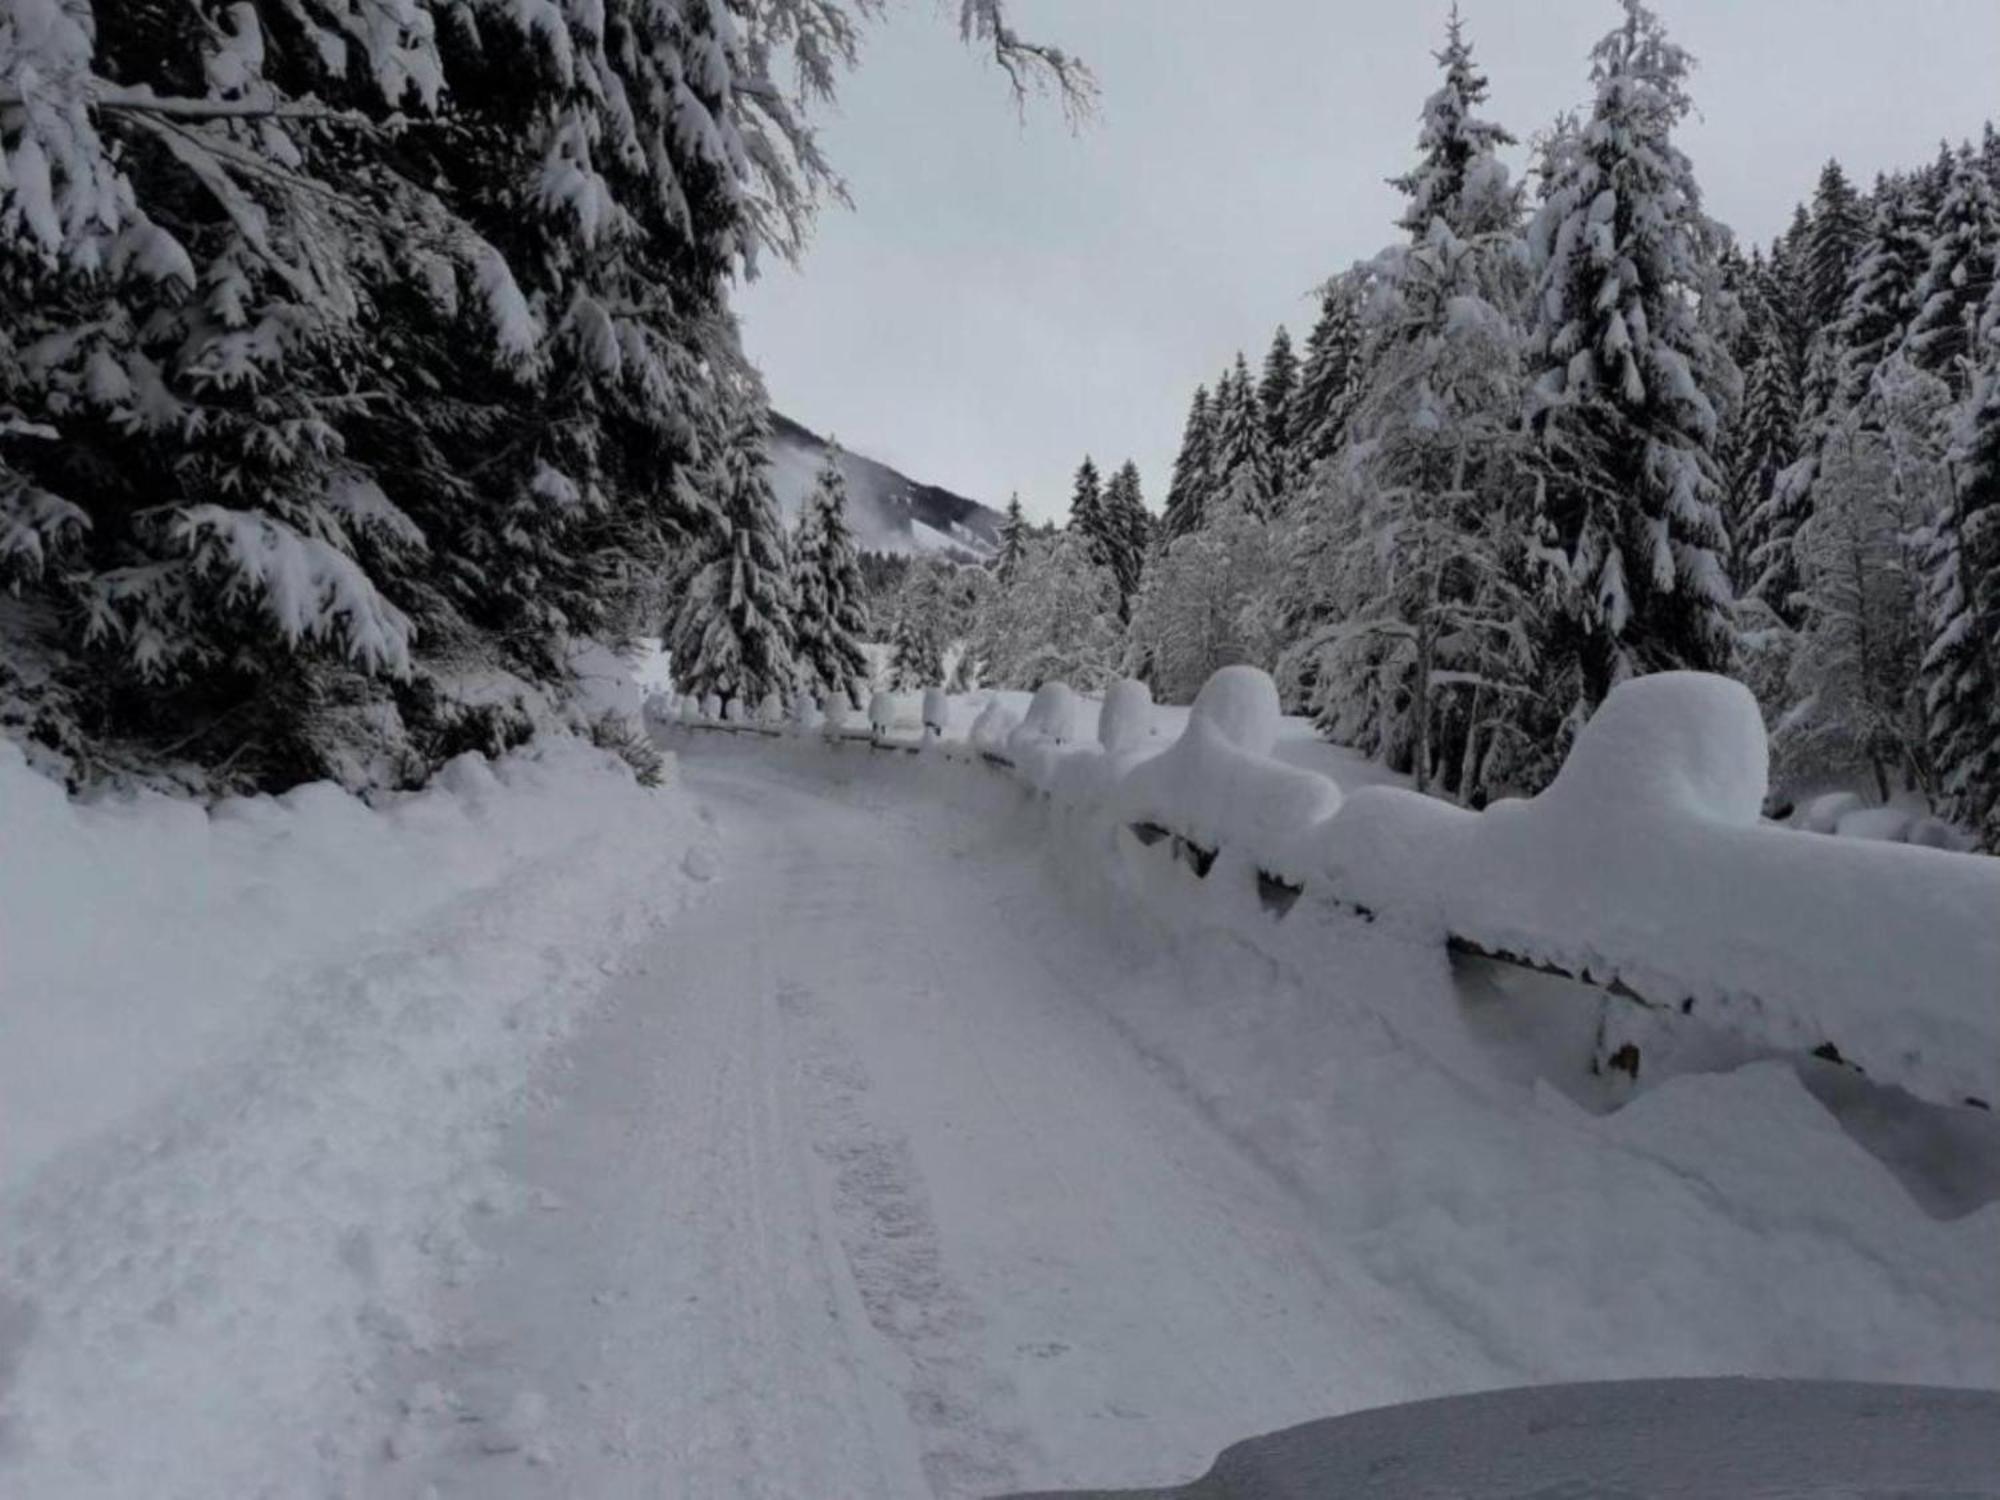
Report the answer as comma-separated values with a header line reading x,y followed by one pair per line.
x,y
1644,870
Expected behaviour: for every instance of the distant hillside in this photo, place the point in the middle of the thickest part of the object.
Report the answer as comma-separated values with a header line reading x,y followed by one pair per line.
x,y
890,512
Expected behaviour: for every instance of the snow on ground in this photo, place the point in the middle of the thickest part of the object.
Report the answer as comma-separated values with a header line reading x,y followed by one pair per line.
x,y
956,1149
249,1060
958,1143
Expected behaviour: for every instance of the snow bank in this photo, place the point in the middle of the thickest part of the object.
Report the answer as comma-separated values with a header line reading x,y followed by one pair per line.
x,y
1645,861
1219,786
248,1059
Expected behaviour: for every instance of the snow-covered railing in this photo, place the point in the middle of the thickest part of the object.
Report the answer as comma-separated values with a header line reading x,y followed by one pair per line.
x,y
1644,870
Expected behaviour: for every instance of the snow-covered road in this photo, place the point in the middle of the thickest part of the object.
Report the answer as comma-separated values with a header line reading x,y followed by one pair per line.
x,y
855,1189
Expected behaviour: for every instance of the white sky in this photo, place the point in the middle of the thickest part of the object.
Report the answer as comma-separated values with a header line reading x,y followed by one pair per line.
x,y
1006,296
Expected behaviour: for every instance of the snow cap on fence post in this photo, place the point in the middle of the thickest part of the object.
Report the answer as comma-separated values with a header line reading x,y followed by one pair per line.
x,y
836,706
936,707
881,713
804,714
771,712
711,708
1126,720
733,711
995,723
1679,743
1241,704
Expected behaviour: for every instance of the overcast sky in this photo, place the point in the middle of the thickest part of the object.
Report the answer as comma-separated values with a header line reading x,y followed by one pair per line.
x,y
1006,296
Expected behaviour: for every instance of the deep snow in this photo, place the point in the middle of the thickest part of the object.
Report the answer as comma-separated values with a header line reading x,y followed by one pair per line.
x,y
954,1142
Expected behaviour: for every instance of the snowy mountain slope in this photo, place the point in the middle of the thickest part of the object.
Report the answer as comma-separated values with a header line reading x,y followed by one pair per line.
x,y
889,511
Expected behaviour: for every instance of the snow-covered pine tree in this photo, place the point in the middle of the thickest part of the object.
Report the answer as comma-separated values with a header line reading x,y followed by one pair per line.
x,y
1188,491
1127,529
1326,379
1425,528
1458,176
732,629
1766,443
1962,653
1240,461
1200,606
1839,223
830,613
1086,509
1630,381
1882,297
362,350
1964,249
1276,387
1013,538
1856,699
1058,622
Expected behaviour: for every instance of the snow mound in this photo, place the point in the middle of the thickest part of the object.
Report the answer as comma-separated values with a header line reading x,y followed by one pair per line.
x,y
882,712
1685,744
1219,786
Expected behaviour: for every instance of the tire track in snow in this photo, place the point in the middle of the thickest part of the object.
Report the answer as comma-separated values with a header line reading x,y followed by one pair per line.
x,y
883,1221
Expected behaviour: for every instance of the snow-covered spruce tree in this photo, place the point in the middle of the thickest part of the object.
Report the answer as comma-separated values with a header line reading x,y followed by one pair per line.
x,y
1962,652
1629,383
1013,538
1128,530
1188,490
1276,387
1964,252
1423,529
731,633
1058,621
830,613
1086,508
1766,443
1882,291
1240,458
1458,177
358,352
931,617
1326,380
1856,700
1203,604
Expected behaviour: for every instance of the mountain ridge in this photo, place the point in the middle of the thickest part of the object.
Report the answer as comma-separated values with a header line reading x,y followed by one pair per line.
x,y
888,510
